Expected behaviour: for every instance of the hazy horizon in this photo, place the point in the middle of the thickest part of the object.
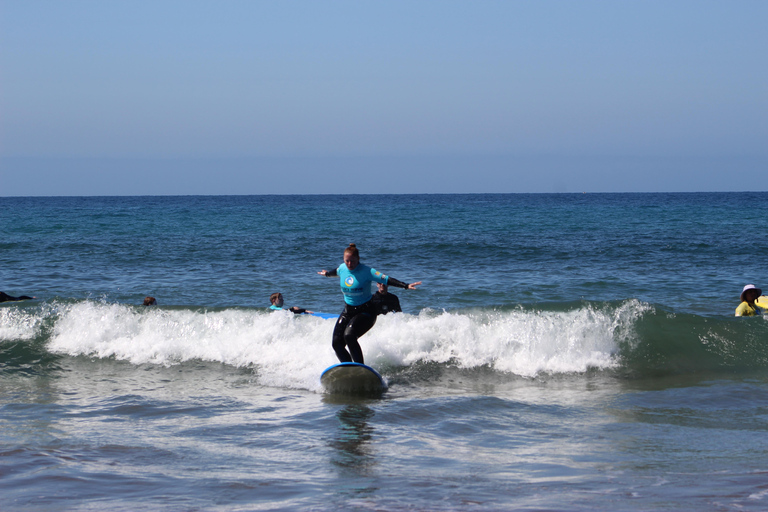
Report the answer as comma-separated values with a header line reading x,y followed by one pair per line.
x,y
243,97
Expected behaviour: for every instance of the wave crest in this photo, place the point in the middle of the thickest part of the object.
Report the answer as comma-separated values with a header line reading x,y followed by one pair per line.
x,y
628,338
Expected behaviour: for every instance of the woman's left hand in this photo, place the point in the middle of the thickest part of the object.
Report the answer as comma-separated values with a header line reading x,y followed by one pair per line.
x,y
413,286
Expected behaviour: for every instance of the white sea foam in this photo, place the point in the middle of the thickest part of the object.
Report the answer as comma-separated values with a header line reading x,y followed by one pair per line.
x,y
19,324
287,350
284,350
522,342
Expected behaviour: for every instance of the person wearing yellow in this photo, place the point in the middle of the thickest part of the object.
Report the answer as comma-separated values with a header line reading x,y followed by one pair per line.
x,y
749,306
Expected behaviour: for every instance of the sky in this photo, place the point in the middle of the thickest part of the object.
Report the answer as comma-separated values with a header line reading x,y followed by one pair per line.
x,y
169,97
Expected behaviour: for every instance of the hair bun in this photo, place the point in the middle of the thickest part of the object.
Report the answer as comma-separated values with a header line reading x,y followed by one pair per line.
x,y
352,249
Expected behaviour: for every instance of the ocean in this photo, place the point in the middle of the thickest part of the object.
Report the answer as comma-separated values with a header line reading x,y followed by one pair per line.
x,y
565,352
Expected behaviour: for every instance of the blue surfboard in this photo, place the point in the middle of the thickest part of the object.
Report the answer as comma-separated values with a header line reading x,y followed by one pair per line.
x,y
352,379
326,315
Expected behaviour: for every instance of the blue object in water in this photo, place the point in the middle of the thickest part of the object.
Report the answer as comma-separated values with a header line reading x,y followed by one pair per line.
x,y
326,315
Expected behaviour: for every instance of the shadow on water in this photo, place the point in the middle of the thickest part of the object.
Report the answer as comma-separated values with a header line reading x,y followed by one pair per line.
x,y
353,452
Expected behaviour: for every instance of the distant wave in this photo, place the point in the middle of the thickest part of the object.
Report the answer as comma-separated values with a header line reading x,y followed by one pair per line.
x,y
628,339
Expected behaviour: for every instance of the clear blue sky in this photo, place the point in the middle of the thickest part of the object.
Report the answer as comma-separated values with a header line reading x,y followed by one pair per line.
x,y
251,97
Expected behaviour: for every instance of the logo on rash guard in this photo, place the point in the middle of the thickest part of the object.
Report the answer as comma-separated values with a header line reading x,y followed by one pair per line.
x,y
349,281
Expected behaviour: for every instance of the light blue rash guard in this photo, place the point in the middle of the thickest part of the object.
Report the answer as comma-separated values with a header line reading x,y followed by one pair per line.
x,y
356,284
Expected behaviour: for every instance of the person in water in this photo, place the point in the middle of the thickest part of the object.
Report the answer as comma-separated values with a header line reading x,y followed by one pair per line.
x,y
149,301
277,304
359,313
385,302
4,297
748,306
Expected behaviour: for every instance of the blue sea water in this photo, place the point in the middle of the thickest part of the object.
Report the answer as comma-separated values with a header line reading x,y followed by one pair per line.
x,y
564,352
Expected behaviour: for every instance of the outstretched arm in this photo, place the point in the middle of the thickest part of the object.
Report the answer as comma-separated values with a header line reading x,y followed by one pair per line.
x,y
328,273
399,284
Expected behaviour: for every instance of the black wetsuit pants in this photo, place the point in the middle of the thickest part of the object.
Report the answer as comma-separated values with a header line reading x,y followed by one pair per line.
x,y
353,322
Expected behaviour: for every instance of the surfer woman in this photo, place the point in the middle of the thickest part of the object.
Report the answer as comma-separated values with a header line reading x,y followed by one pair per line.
x,y
359,313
